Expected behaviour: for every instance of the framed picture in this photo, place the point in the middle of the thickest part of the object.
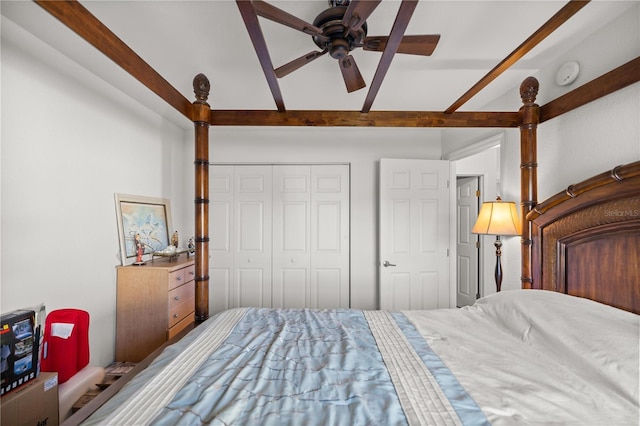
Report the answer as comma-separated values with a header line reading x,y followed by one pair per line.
x,y
143,218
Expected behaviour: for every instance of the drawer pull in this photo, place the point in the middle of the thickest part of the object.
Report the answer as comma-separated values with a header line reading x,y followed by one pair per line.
x,y
178,278
192,273
176,298
175,315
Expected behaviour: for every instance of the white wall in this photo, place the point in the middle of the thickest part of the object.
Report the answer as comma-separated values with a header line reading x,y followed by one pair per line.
x,y
66,149
362,148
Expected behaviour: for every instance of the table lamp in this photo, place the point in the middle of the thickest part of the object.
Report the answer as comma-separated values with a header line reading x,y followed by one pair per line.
x,y
498,218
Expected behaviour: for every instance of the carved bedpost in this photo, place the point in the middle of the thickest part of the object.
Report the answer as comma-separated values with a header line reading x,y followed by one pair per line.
x,y
201,113
530,117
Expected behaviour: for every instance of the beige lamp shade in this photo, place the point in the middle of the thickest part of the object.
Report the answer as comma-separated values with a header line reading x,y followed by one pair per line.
x,y
498,218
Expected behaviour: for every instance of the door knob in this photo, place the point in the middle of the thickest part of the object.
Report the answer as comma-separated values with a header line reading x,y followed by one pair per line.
x,y
386,264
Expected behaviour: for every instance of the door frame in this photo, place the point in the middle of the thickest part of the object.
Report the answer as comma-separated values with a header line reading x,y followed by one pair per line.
x,y
490,188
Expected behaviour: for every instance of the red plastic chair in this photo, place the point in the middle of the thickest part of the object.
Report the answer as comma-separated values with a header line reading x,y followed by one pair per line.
x,y
65,347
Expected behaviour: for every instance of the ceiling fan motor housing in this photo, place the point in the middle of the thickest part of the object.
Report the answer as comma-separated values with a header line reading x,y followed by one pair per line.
x,y
337,42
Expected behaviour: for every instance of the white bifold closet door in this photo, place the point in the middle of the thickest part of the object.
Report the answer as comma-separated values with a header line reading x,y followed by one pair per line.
x,y
279,236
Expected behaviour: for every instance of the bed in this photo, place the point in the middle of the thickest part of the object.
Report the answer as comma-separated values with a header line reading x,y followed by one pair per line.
x,y
565,352
492,363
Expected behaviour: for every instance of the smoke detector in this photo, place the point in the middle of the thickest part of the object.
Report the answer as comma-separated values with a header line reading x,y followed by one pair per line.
x,y
567,73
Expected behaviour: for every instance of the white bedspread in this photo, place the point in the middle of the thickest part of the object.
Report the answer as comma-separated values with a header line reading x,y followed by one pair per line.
x,y
538,357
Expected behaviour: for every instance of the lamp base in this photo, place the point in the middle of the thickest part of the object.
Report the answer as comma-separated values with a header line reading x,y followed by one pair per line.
x,y
498,272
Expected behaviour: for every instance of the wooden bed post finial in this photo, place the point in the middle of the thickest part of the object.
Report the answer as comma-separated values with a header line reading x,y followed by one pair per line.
x,y
201,88
530,117
201,120
529,90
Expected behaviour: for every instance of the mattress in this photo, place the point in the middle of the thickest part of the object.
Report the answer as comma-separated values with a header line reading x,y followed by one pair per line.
x,y
517,357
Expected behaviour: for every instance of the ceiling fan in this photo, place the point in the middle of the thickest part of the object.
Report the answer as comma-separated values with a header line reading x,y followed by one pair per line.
x,y
337,31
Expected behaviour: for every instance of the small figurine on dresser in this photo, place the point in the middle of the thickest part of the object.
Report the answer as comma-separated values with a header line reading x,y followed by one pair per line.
x,y
191,246
174,239
139,250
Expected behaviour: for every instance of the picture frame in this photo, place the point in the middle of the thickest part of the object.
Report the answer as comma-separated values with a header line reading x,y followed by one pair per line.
x,y
147,216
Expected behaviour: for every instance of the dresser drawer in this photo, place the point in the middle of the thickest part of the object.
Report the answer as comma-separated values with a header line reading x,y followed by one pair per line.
x,y
181,325
181,303
189,273
176,278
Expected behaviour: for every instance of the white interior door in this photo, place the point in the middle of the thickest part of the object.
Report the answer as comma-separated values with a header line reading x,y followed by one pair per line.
x,y
467,190
414,234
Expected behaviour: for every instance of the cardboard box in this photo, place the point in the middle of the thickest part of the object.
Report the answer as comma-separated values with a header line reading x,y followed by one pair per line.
x,y
34,404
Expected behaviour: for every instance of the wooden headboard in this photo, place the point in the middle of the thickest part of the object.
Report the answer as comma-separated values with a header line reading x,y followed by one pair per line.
x,y
586,240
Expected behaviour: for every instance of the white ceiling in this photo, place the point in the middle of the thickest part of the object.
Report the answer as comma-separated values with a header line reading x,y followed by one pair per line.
x,y
183,38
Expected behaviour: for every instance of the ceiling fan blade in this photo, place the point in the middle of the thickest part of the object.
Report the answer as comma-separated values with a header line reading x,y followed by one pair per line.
x,y
423,45
298,63
275,14
351,74
357,13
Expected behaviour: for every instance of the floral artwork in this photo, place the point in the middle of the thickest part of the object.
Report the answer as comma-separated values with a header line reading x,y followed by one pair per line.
x,y
146,217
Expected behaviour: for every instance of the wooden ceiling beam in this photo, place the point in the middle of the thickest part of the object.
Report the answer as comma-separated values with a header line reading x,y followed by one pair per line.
x,y
395,38
322,118
250,19
86,25
619,78
545,30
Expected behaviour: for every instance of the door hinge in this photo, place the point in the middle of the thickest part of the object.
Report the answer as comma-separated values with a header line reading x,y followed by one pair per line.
x,y
447,183
478,193
447,252
477,244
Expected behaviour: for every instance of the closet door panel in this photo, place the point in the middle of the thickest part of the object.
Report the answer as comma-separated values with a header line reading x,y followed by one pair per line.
x,y
221,244
329,283
252,256
293,295
330,236
291,221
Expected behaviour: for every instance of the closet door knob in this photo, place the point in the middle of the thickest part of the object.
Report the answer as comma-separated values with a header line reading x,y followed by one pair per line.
x,y
386,264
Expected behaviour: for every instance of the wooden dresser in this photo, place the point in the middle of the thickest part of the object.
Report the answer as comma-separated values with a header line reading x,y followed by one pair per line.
x,y
154,303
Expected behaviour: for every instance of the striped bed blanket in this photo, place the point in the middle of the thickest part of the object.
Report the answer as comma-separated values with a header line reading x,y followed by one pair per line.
x,y
255,366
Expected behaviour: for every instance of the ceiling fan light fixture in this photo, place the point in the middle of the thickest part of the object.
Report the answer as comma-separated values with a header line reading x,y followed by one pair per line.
x,y
339,48
333,33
